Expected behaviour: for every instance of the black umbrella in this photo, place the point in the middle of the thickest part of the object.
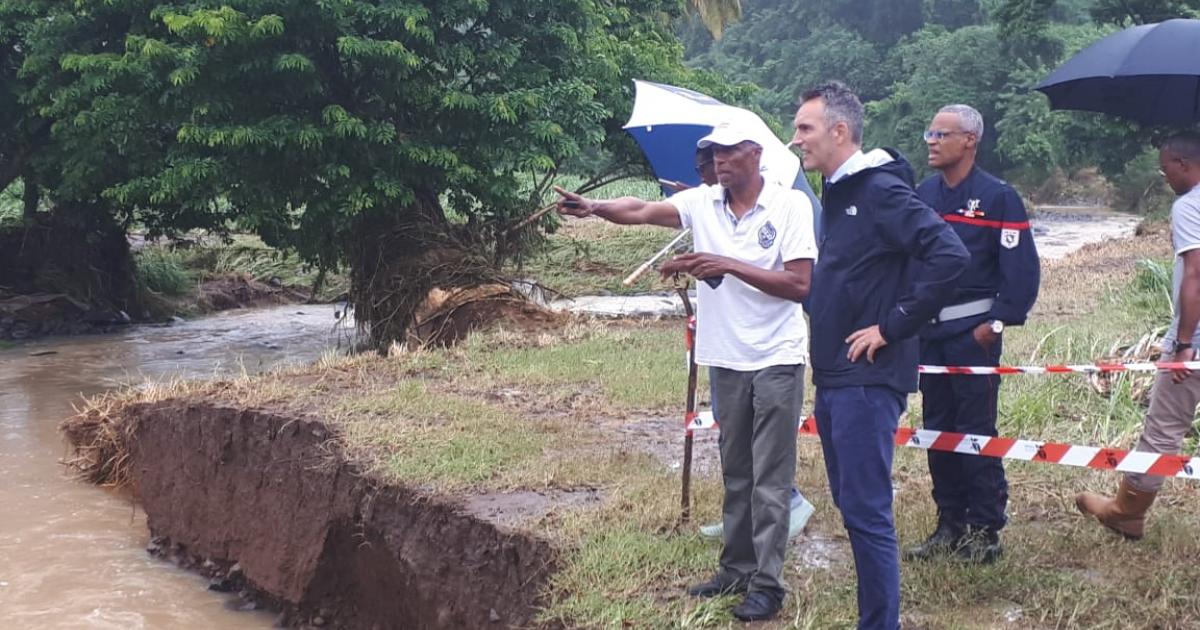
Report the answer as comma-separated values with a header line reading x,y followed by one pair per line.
x,y
1149,73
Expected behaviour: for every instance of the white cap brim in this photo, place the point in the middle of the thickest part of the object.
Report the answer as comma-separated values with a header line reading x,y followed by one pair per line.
x,y
725,137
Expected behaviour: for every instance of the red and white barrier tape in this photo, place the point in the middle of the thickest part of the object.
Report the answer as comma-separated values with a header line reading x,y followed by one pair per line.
x,y
1094,368
1024,450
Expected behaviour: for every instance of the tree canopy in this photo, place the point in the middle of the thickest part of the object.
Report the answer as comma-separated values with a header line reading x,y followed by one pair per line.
x,y
907,59
402,136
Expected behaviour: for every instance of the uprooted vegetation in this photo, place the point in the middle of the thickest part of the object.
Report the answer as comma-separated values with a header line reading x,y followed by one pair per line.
x,y
596,407
204,274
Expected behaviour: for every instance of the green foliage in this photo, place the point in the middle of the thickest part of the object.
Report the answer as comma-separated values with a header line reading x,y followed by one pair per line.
x,y
1023,25
1126,12
163,270
11,204
352,132
908,59
1140,185
937,73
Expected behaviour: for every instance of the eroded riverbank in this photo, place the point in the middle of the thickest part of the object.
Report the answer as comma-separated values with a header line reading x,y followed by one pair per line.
x,y
270,503
74,556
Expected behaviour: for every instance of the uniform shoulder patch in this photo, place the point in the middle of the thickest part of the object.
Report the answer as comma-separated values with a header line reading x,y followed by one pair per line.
x,y
1010,238
766,235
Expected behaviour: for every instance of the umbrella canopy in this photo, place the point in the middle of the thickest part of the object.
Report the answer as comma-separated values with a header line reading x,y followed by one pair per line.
x,y
667,121
1148,73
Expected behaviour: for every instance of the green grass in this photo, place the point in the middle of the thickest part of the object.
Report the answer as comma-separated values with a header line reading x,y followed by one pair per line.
x,y
614,361
633,187
416,435
247,255
545,410
163,270
1068,407
175,271
592,257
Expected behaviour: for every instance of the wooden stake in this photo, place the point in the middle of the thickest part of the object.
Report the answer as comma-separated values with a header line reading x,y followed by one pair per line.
x,y
686,499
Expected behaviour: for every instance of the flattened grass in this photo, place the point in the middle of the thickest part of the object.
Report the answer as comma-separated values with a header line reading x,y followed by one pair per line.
x,y
591,256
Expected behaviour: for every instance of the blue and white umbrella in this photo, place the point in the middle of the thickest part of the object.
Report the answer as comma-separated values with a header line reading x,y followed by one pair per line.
x,y
668,121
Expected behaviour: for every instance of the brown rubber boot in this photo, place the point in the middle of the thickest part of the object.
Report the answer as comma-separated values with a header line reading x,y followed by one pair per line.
x,y
1125,514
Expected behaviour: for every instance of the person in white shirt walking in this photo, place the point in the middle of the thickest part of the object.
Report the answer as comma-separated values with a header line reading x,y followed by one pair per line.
x,y
754,247
1176,393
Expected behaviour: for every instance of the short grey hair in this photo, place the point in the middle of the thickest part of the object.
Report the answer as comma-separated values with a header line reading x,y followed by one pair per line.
x,y
841,105
969,117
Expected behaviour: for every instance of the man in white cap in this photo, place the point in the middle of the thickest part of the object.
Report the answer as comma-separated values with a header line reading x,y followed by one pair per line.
x,y
754,248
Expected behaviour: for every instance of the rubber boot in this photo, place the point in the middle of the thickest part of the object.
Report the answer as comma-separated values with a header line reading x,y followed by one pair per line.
x,y
1125,514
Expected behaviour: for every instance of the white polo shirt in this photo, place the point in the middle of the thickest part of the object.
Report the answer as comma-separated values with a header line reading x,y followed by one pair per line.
x,y
740,327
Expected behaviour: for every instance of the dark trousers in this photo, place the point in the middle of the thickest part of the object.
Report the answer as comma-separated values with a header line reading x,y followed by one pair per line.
x,y
858,436
968,489
759,415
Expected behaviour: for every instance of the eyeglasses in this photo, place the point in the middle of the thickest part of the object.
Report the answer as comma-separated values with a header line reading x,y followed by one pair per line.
x,y
939,135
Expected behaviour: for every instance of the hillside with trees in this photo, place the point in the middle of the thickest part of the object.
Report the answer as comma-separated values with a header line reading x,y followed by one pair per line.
x,y
906,58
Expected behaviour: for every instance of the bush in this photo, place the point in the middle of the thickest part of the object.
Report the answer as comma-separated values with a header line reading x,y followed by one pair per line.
x,y
162,270
1140,188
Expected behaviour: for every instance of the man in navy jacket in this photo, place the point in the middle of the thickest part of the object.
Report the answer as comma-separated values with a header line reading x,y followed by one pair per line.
x,y
997,290
886,265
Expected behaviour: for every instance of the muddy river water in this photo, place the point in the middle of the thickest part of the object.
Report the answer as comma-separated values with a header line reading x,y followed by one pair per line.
x,y
74,556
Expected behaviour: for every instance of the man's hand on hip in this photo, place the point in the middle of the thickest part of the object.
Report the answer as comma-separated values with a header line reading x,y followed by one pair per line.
x,y
868,340
984,335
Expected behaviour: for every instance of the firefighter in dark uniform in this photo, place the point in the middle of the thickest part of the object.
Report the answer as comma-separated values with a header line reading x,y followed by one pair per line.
x,y
997,290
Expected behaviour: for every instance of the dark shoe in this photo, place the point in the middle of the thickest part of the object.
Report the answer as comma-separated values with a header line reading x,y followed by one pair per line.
x,y
758,606
980,545
720,584
943,541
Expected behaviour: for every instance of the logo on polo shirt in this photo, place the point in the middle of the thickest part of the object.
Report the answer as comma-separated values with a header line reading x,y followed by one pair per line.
x,y
852,211
766,235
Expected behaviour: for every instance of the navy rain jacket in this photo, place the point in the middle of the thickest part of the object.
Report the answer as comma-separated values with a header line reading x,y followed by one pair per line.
x,y
989,217
885,258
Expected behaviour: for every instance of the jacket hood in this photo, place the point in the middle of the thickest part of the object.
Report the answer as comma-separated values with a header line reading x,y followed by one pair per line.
x,y
888,160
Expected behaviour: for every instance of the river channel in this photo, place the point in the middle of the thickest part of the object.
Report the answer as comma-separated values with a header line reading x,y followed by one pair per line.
x,y
73,555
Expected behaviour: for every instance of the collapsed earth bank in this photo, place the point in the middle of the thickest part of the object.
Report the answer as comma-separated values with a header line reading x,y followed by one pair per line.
x,y
270,505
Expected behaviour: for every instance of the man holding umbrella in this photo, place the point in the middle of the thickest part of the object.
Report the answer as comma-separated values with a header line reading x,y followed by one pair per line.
x,y
754,246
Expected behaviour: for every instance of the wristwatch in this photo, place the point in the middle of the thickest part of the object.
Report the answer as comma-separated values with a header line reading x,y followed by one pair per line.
x,y
1182,346
997,326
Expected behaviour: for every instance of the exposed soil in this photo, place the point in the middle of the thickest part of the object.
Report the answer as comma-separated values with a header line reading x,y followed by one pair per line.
x,y
239,291
268,505
61,274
